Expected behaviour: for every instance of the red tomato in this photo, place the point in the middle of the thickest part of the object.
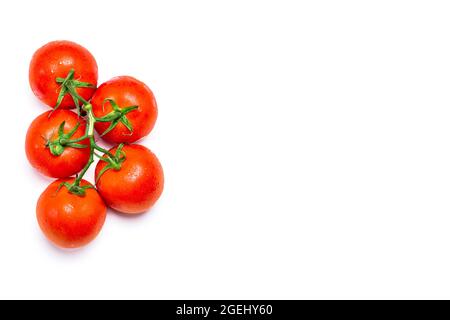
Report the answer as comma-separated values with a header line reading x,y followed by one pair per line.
x,y
55,60
69,220
43,132
136,186
125,92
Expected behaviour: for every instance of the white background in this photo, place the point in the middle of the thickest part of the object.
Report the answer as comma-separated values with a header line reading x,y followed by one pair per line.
x,y
306,147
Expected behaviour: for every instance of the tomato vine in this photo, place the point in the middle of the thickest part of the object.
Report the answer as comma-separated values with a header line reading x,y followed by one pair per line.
x,y
62,144
114,160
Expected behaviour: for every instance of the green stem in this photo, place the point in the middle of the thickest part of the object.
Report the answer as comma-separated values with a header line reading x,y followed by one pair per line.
x,y
114,161
85,169
97,147
75,93
90,135
93,145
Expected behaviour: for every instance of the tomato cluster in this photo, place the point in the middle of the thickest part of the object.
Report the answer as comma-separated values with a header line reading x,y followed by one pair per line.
x,y
61,144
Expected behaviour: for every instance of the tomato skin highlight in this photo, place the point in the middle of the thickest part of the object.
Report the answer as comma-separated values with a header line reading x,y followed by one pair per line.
x,y
125,91
136,186
45,128
56,59
68,220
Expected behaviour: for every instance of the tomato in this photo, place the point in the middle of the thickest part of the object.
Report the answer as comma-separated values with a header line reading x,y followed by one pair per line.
x,y
69,220
55,60
125,92
136,186
43,138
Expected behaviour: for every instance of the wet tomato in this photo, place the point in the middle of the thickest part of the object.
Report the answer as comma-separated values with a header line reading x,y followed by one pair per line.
x,y
136,186
69,220
54,62
118,94
45,148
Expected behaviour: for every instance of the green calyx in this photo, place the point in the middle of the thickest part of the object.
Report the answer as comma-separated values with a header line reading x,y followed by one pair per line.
x,y
69,86
75,188
117,115
114,161
58,145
